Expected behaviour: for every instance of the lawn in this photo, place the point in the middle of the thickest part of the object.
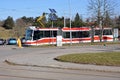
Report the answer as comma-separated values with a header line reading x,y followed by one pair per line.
x,y
108,59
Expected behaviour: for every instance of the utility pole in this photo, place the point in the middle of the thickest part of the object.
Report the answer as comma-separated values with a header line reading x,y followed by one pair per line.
x,y
64,20
70,23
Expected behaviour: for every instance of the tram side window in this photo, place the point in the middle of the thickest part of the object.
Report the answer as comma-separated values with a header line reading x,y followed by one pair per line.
x,y
49,33
107,32
41,34
37,35
83,34
75,35
80,34
54,33
66,34
46,33
97,32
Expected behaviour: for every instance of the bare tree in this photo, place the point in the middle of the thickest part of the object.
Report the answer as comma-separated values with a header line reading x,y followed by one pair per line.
x,y
20,27
1,23
102,10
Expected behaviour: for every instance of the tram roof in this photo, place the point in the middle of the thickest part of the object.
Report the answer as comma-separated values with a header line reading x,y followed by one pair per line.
x,y
64,29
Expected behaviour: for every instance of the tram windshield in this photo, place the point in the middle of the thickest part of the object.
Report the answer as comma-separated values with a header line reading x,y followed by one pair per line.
x,y
28,35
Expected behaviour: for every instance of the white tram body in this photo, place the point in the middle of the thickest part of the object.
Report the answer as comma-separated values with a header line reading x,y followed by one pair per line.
x,y
42,36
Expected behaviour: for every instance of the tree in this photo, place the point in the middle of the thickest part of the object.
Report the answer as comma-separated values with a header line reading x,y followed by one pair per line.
x,y
28,20
107,20
1,23
78,22
9,23
117,21
77,18
59,22
20,27
101,9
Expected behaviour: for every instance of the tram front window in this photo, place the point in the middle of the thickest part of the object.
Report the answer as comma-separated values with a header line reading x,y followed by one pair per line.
x,y
28,35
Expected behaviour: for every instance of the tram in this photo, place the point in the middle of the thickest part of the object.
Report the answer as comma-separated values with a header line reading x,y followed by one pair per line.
x,y
41,36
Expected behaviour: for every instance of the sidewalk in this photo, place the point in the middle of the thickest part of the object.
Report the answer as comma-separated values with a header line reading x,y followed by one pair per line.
x,y
47,60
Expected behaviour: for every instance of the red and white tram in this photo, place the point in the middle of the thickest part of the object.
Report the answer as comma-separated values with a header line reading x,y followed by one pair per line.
x,y
41,36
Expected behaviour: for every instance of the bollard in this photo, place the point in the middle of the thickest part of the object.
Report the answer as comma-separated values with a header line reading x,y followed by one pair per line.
x,y
19,43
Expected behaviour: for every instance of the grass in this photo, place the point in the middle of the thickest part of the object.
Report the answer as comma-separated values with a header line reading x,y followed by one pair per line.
x,y
107,59
5,34
94,43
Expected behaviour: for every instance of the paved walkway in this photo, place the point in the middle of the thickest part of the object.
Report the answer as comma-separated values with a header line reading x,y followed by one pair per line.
x,y
45,58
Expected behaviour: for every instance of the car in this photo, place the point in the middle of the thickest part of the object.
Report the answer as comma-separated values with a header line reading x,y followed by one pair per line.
x,y
22,40
2,41
119,38
11,41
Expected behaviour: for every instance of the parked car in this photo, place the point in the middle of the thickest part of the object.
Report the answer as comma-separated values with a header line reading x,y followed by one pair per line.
x,y
22,40
11,41
2,41
119,38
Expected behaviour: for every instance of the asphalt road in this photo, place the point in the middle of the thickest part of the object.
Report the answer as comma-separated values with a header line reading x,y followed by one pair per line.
x,y
15,72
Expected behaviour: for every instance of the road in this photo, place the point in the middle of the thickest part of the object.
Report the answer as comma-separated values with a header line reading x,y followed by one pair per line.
x,y
15,72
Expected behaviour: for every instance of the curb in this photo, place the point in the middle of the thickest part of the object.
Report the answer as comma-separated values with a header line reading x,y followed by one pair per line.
x,y
64,67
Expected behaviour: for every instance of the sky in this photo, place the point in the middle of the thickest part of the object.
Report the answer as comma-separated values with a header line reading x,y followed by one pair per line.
x,y
35,8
